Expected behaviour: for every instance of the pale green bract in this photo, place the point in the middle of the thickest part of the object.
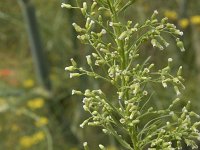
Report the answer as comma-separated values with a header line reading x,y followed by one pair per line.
x,y
116,48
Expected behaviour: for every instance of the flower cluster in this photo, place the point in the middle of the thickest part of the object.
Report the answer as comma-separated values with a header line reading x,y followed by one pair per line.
x,y
29,141
117,46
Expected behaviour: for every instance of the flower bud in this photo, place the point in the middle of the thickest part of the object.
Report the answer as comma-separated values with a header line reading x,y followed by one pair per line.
x,y
84,9
68,6
180,45
179,72
102,147
194,115
94,55
177,90
154,14
84,123
73,62
85,145
164,20
76,92
94,4
89,61
122,120
178,32
105,131
70,68
78,28
164,84
71,75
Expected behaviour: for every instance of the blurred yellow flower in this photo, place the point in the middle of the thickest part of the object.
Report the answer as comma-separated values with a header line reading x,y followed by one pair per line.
x,y
183,23
195,20
15,128
39,136
172,15
111,148
41,121
29,83
26,141
35,103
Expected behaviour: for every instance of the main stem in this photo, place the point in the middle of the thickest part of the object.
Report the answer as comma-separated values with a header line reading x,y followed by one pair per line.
x,y
134,138
120,45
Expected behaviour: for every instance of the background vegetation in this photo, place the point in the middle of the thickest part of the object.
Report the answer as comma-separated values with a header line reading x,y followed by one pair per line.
x,y
36,107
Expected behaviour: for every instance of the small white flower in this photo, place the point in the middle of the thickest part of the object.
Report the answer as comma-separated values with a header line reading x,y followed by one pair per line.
x,y
88,58
73,92
84,99
155,12
164,84
81,125
103,31
85,144
170,59
145,93
146,70
92,22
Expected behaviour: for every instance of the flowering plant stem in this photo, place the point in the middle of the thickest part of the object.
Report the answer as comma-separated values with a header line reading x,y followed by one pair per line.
x,y
127,116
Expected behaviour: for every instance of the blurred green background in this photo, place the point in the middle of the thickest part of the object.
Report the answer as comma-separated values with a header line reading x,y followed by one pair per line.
x,y
37,111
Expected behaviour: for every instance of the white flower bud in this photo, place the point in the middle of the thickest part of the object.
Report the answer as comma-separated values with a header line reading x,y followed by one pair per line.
x,y
103,31
105,130
122,120
177,90
94,55
145,93
76,92
178,32
85,144
179,71
73,62
111,24
71,75
164,84
101,147
170,59
63,5
153,42
77,28
93,5
154,14
146,70
180,45
84,123
89,61
70,68
85,5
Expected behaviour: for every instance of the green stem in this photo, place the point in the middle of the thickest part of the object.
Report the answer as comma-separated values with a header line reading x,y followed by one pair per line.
x,y
120,45
134,139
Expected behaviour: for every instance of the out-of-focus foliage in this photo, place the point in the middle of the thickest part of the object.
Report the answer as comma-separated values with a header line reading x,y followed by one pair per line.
x,y
23,102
